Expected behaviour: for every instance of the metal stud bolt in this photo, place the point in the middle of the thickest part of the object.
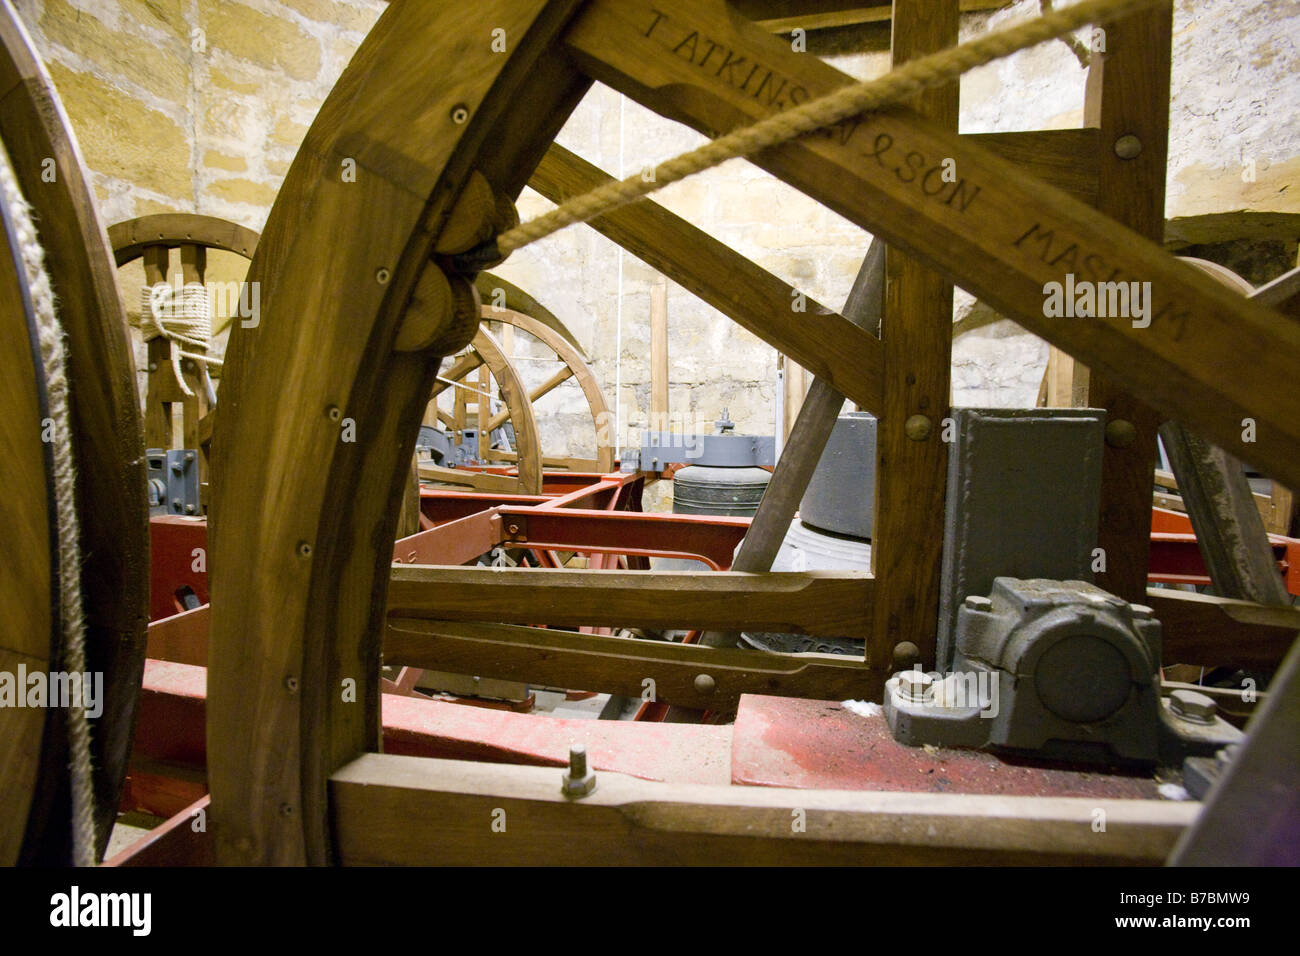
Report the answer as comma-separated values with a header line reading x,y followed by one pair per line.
x,y
578,779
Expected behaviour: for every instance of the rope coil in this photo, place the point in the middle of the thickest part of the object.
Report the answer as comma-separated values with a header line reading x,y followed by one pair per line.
x,y
899,84
184,319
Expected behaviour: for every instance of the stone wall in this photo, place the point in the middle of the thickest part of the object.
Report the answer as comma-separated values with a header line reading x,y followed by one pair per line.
x,y
199,105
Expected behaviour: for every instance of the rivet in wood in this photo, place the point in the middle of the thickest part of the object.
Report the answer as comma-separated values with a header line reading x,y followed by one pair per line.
x,y
286,809
382,276
291,684
704,684
1128,146
1120,433
917,427
304,549
333,413
460,114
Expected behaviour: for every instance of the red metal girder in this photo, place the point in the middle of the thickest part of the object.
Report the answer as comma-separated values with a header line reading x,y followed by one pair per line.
x,y
1176,557
440,505
177,546
705,537
819,745
454,542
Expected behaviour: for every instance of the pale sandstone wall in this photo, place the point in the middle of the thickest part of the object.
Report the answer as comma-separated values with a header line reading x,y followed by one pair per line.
x,y
170,124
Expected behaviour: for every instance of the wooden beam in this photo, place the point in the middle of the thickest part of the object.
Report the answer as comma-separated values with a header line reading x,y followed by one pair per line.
x,y
1064,158
468,477
911,458
627,821
822,341
1127,98
659,355
1202,354
812,602
560,377
1229,527
805,442
1209,630
686,675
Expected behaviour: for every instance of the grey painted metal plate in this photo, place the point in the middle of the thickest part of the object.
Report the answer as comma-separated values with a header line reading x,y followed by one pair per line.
x,y
1024,488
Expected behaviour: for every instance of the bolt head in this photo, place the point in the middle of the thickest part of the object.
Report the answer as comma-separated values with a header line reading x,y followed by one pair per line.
x,y
304,549
906,654
1142,612
1120,433
460,114
513,529
978,602
915,685
917,427
1193,706
1128,146
333,413
382,276
704,684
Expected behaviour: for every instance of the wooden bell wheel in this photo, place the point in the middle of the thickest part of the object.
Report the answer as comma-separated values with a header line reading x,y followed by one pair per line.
x,y
107,451
153,239
360,307
486,351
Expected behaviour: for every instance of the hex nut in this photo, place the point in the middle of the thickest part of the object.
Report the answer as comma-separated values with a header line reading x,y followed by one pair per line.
x,y
915,685
1193,706
978,602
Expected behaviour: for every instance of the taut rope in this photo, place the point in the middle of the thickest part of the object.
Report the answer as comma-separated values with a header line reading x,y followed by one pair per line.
x,y
899,84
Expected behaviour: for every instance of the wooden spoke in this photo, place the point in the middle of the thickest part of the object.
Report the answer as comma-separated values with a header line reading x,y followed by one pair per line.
x,y
576,366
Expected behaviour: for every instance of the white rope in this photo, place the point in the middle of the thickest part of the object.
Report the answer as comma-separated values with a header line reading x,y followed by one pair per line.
x,y
71,617
184,320
907,80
